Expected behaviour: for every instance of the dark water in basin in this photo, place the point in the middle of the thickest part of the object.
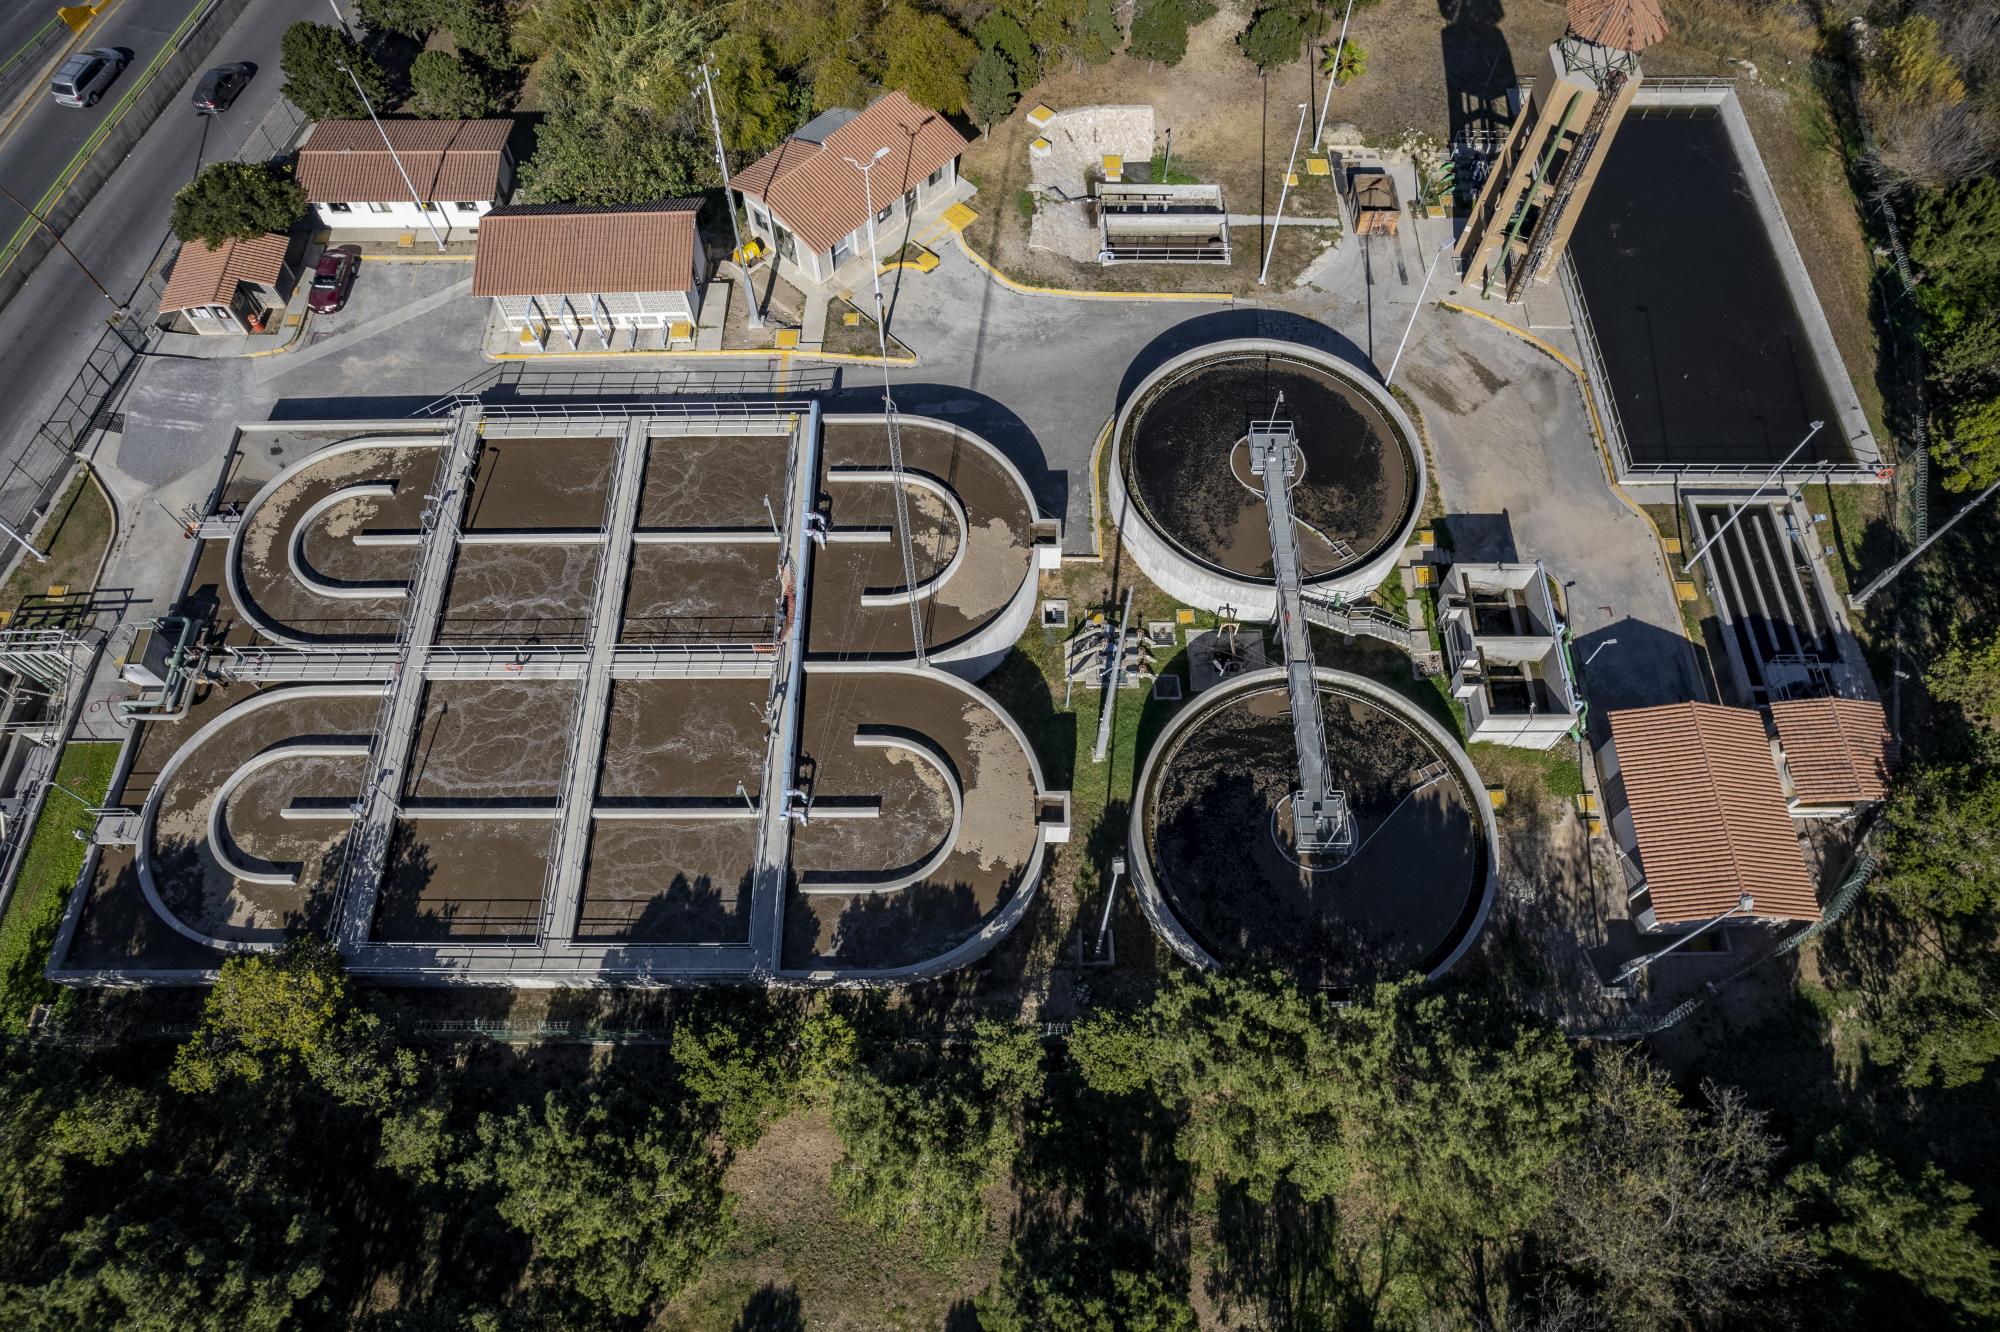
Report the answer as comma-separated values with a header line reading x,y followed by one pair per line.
x,y
1708,359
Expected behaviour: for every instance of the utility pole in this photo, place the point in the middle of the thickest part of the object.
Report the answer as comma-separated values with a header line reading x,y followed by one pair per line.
x,y
1744,904
889,404
361,92
1279,220
62,245
1737,512
1887,575
722,160
1333,77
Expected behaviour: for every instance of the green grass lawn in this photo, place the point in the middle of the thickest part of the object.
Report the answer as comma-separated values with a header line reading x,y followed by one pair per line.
x,y
48,872
73,537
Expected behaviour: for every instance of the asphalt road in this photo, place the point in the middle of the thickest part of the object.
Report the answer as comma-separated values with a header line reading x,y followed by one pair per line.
x,y
50,325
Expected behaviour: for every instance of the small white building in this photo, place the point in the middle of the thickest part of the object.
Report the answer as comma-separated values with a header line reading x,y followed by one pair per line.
x,y
1504,646
583,275
460,169
808,203
239,286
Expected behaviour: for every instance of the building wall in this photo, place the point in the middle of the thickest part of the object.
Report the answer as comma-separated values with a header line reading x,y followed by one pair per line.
x,y
818,265
625,309
455,222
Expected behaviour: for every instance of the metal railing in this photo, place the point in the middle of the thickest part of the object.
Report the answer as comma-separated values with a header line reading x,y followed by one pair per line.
x,y
1597,381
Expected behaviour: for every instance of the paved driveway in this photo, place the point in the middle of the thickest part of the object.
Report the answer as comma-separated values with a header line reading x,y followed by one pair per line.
x,y
1522,480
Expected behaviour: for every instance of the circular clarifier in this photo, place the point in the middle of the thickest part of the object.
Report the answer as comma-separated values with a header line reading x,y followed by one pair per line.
x,y
1192,514
1220,879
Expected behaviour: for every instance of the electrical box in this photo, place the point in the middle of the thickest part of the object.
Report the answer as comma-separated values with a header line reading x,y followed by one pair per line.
x,y
146,663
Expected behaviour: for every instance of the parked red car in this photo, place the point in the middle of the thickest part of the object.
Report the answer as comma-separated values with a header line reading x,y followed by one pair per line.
x,y
333,278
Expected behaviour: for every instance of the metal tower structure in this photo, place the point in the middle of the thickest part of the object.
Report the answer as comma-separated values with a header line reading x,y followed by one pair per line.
x,y
1535,191
1319,812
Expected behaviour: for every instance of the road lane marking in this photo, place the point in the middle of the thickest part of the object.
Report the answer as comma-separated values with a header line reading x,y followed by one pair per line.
x,y
67,176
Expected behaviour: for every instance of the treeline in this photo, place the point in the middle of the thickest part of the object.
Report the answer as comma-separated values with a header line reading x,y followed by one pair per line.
x,y
1420,1159
1930,98
620,80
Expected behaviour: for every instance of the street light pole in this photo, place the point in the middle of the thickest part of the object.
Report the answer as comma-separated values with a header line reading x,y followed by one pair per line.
x,y
62,245
1429,270
1279,220
889,401
1333,77
1744,904
1609,642
361,92
729,204
1737,512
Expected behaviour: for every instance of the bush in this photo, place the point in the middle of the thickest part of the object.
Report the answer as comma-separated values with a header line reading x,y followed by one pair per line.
x,y
236,201
444,87
1159,32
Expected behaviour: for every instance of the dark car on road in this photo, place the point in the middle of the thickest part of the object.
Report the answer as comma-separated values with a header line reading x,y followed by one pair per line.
x,y
333,278
221,86
83,77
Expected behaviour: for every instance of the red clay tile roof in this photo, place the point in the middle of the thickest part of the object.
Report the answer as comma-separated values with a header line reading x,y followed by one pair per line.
x,y
1628,25
556,249
820,197
343,161
1838,750
1709,813
207,274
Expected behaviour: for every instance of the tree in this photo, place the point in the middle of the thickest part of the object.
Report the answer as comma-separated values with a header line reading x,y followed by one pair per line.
x,y
1060,1281
1969,444
183,1251
615,156
999,30
292,1012
623,1205
1277,34
1253,1065
992,88
752,1065
1936,1022
1353,62
1955,232
411,18
633,55
236,201
1101,33
311,56
1898,1241
483,30
1159,32
1667,1211
105,1122
444,87
1941,835
925,56
924,1144
759,105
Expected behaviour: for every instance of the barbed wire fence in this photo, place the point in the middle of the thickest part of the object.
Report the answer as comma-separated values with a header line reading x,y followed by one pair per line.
x,y
1641,1025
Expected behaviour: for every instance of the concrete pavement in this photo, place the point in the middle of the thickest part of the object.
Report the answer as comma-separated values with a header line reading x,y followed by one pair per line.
x,y
49,327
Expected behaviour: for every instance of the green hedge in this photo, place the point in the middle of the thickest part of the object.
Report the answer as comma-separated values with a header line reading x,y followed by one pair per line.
x,y
55,857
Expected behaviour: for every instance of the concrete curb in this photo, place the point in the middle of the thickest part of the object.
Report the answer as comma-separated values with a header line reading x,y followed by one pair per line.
x,y
768,353
1204,297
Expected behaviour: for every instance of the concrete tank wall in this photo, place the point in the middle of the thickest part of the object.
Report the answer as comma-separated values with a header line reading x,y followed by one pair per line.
x,y
1202,584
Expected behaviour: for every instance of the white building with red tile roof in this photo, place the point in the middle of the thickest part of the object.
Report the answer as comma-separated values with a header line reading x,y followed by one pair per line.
x,y
1834,754
1703,820
581,276
459,170
230,287
808,203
